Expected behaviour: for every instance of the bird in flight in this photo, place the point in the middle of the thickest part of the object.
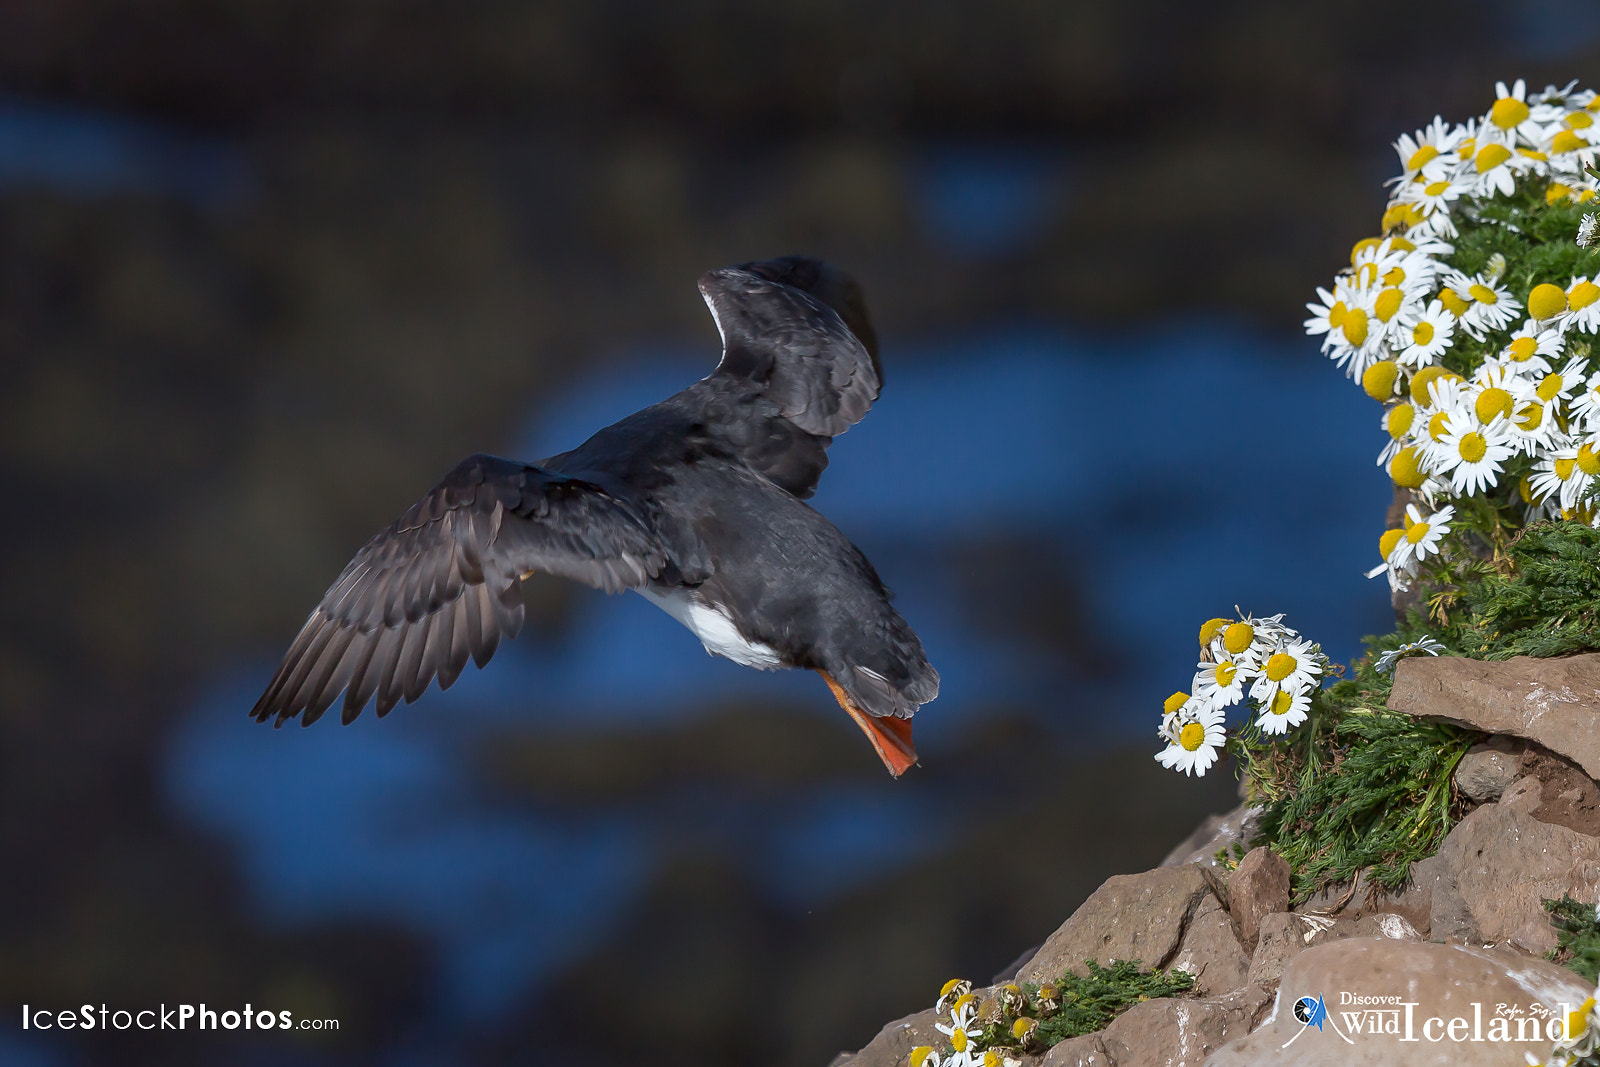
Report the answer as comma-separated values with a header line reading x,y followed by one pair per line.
x,y
696,503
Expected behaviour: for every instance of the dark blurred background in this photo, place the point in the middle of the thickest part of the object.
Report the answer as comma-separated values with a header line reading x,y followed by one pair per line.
x,y
268,269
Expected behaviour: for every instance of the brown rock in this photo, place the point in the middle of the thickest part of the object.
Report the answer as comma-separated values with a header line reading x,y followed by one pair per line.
x,y
1131,917
1215,833
1555,702
1086,1051
894,1042
1442,981
1567,796
1285,935
1211,952
1483,773
1499,864
1257,888
1180,1032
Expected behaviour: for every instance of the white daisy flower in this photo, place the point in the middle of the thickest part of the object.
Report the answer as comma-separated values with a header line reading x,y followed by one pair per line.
x,y
1424,536
1250,640
1535,427
1586,231
1292,665
1581,463
1496,172
1490,305
1386,662
1556,481
925,1056
1286,709
1583,306
1221,683
1555,387
1510,118
1532,347
1429,143
1436,189
1397,561
1398,422
1425,332
1194,746
963,1029
1586,404
1471,453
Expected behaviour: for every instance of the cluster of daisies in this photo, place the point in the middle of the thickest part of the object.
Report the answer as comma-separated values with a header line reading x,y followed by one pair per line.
x,y
1271,663
1484,375
968,1018
1580,1046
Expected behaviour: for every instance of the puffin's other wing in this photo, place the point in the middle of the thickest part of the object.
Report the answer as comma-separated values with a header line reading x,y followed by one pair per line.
x,y
797,343
441,584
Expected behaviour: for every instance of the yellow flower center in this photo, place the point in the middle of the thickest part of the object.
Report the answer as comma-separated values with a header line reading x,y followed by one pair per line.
x,y
1491,157
1404,471
1398,421
1436,426
1435,188
1237,638
1564,468
958,1040
1472,447
1366,274
1422,334
1545,300
1378,379
1492,402
1549,387
1566,141
1394,276
1483,294
1579,120
1528,153
1336,315
951,986
1583,294
1362,245
1423,380
1280,665
1387,304
1282,700
919,1055
1588,462
1174,702
1466,148
1400,244
1530,417
1210,629
1354,326
1416,531
1522,349
1578,1021
1022,1028
1421,157
1191,737
1507,112
1387,542
1224,673
1557,191
1454,303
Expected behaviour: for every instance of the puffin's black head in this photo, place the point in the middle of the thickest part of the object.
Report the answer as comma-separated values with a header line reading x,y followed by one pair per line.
x,y
830,285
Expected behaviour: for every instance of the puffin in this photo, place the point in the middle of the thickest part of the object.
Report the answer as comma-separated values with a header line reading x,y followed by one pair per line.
x,y
697,503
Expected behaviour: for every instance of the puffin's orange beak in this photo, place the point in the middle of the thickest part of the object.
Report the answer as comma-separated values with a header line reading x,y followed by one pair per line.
x,y
890,737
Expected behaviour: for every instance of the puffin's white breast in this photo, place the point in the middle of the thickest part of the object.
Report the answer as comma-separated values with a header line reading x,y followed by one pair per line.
x,y
714,629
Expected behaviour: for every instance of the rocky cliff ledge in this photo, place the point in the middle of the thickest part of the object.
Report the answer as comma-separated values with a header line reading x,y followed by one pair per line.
x,y
1466,938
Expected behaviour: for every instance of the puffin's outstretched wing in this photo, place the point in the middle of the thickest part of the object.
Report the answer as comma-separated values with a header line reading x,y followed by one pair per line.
x,y
442,584
800,351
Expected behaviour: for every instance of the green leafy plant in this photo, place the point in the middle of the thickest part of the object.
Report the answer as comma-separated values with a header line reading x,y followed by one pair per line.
x,y
1577,936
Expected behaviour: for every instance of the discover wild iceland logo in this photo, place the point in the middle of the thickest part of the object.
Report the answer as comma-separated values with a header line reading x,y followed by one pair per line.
x,y
1361,1016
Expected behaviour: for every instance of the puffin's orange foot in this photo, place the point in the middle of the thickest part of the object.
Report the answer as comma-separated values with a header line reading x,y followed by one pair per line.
x,y
890,737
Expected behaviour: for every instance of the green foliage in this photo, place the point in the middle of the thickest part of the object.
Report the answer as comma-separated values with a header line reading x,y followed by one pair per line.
x,y
1090,1003
1540,597
1370,789
1577,936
